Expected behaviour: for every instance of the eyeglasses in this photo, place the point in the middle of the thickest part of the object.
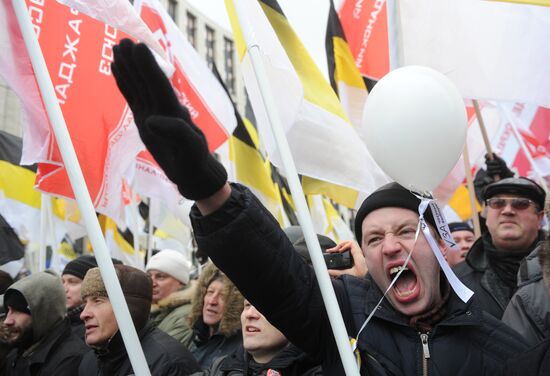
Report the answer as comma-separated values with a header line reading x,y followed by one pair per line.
x,y
515,203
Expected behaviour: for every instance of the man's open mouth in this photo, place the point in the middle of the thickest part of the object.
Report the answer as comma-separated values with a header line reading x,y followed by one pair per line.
x,y
406,288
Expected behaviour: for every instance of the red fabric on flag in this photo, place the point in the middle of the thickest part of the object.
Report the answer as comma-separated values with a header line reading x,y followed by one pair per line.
x,y
78,53
365,25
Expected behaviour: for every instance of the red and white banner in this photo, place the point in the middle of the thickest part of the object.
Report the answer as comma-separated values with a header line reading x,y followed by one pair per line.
x,y
78,53
365,25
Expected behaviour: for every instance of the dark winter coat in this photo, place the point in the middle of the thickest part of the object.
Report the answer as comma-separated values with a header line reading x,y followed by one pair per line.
x,y
245,241
529,309
164,355
55,350
534,362
290,361
475,272
59,353
205,347
77,325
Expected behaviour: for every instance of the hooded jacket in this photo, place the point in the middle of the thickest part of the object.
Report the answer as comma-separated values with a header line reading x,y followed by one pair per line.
x,y
171,315
55,350
227,336
476,273
529,309
242,236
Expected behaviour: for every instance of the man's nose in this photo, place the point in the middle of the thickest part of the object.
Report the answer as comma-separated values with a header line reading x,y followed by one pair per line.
x,y
391,245
85,314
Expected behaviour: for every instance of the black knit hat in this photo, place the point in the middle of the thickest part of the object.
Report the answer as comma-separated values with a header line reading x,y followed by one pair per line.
x,y
389,195
80,266
296,237
15,300
521,186
460,226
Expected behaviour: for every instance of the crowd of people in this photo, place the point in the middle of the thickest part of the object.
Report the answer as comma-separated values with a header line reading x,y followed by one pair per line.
x,y
256,308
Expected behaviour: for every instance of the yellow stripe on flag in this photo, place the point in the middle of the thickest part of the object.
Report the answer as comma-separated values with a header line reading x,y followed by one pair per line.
x,y
346,70
460,203
544,3
17,183
342,195
316,88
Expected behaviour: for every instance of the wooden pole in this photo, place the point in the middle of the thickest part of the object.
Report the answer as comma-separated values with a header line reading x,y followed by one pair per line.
x,y
469,180
483,130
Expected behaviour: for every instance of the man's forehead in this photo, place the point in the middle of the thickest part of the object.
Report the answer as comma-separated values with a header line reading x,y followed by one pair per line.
x,y
509,195
392,216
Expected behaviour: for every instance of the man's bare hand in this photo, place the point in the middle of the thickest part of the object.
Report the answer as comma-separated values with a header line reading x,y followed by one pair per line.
x,y
359,268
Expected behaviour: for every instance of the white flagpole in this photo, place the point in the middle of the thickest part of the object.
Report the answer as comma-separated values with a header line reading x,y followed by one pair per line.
x,y
393,46
150,231
325,284
122,314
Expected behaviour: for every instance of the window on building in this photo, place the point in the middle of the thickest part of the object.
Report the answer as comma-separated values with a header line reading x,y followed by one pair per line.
x,y
173,9
229,53
210,47
191,29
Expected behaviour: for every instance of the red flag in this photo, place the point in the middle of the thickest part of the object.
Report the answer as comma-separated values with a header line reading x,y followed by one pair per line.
x,y
365,25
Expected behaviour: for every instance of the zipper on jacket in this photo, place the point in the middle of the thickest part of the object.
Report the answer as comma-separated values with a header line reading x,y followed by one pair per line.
x,y
425,353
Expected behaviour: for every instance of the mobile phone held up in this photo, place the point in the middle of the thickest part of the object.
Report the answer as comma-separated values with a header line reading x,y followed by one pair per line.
x,y
338,260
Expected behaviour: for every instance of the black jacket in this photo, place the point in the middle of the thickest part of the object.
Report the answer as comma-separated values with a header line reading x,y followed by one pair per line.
x,y
290,361
476,273
246,242
206,348
164,355
534,362
58,353
529,309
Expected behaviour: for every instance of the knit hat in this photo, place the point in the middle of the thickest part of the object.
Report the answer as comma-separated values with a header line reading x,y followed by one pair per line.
x,y
521,186
17,301
171,262
296,237
80,266
389,195
136,285
460,226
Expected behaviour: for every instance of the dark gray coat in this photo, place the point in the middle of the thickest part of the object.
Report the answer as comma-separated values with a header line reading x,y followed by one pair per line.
x,y
529,309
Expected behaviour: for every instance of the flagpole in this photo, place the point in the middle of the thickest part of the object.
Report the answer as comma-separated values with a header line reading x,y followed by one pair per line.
x,y
314,249
391,15
471,195
523,147
112,285
150,232
43,233
54,260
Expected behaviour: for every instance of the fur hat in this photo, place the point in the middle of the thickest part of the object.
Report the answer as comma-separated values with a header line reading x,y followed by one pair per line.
x,y
389,195
172,263
231,320
136,285
521,186
80,265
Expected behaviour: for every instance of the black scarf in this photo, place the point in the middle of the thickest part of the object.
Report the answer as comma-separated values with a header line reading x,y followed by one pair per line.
x,y
505,264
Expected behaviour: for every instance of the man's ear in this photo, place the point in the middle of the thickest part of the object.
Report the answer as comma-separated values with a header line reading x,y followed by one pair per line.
x,y
443,247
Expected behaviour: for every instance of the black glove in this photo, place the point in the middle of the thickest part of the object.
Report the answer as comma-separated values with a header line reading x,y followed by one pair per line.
x,y
164,125
497,166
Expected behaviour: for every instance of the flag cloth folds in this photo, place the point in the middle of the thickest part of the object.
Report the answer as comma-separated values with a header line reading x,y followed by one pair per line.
x,y
323,143
490,50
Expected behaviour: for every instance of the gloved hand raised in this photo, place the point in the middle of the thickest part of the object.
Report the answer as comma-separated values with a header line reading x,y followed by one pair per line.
x,y
164,125
497,167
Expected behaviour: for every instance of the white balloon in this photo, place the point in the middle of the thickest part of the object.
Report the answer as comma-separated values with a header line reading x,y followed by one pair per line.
x,y
415,123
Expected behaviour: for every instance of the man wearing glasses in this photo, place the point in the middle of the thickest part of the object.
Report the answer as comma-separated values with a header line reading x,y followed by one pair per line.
x,y
514,217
